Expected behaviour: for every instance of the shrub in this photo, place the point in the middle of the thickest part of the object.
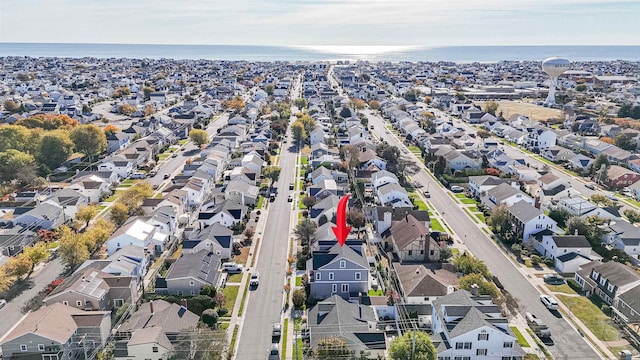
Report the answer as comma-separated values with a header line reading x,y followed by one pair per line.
x,y
222,311
210,317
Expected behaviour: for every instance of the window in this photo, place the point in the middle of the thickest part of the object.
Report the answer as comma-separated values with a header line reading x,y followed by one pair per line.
x,y
65,303
318,276
154,349
193,292
481,352
40,347
358,276
421,252
603,281
191,283
410,252
458,345
483,336
507,344
594,275
49,356
78,303
23,347
610,288
330,276
345,288
343,264
334,288
467,345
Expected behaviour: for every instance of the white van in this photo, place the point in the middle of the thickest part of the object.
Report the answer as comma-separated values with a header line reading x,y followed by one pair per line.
x,y
138,175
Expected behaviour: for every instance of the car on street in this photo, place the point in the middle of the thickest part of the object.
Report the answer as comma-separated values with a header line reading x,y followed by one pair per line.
x,y
290,186
553,279
591,186
174,155
3,302
611,197
155,186
457,189
549,302
290,198
274,352
255,279
276,330
427,194
166,176
153,173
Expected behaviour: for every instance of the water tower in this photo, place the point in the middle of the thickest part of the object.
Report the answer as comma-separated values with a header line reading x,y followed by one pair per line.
x,y
554,67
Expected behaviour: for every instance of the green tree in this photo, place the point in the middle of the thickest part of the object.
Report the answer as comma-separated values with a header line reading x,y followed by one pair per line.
x,y
100,231
269,89
14,137
12,106
309,201
414,345
299,134
86,212
36,254
632,215
55,148
210,318
601,200
600,160
147,90
309,123
272,173
491,107
625,111
300,103
89,139
48,122
331,348
439,166
559,215
199,137
119,213
17,165
445,254
500,222
305,230
624,142
345,112
133,197
485,287
299,297
356,219
468,264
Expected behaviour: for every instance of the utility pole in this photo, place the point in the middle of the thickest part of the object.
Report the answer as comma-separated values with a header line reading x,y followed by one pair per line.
x,y
413,344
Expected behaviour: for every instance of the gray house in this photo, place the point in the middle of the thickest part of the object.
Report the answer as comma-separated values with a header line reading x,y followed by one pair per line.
x,y
190,273
56,332
340,270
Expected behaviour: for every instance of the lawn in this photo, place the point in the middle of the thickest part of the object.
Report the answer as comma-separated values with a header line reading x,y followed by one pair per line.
x,y
260,202
183,141
224,325
534,112
283,353
465,200
564,288
298,280
230,295
415,149
244,298
521,340
112,198
418,202
233,339
591,316
435,225
178,252
242,258
301,205
235,278
470,215
480,217
163,156
305,160
101,207
378,292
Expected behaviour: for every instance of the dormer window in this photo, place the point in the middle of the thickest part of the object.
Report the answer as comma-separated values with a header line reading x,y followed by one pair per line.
x,y
603,281
343,264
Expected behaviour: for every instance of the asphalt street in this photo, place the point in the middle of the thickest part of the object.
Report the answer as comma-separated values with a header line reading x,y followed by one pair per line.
x,y
265,303
11,314
567,342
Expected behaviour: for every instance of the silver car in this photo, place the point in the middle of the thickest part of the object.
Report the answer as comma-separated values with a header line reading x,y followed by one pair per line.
x,y
3,302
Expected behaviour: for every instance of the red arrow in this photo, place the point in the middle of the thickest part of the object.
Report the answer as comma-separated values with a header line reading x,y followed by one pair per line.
x,y
342,230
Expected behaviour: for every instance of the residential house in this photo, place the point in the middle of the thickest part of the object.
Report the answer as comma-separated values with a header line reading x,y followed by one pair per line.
x,y
121,166
227,213
128,261
148,343
505,194
385,216
606,280
383,177
580,161
190,273
354,323
317,136
117,141
45,215
423,283
340,270
557,154
556,246
91,186
459,160
411,242
216,238
69,200
527,220
139,233
242,193
393,195
56,332
624,236
324,189
467,326
626,306
619,177
479,185
94,290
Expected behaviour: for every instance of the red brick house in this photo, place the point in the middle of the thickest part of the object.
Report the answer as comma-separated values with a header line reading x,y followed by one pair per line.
x,y
619,177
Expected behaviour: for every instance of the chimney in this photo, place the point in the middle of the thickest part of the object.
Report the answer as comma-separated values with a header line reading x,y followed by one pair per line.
x,y
536,203
183,303
360,298
151,307
475,290
575,232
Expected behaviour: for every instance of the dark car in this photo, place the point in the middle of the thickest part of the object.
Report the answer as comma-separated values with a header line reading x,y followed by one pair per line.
x,y
553,279
166,176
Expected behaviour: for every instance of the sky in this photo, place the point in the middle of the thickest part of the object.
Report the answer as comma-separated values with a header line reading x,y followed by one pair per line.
x,y
323,22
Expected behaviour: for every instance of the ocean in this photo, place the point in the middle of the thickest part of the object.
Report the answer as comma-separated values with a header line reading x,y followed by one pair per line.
x,y
458,54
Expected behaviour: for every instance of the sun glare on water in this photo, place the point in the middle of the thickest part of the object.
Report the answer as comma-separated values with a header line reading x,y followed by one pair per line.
x,y
356,50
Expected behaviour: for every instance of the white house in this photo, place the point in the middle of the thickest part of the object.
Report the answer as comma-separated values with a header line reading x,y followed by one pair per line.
x,y
393,195
137,232
507,195
383,177
479,185
528,220
149,343
552,246
117,164
91,186
317,136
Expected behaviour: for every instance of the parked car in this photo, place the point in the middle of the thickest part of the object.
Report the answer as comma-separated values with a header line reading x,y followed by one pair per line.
x,y
255,279
3,302
155,186
138,175
553,279
290,186
174,155
426,194
274,352
166,176
290,198
231,267
276,330
153,173
591,186
549,302
457,189
612,197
